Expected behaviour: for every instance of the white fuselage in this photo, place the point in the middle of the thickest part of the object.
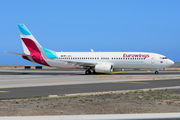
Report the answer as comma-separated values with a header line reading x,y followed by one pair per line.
x,y
119,60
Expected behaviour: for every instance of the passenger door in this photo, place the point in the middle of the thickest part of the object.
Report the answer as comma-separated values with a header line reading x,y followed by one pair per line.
x,y
152,60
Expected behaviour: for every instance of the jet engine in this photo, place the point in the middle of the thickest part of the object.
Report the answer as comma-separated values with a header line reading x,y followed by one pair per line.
x,y
104,68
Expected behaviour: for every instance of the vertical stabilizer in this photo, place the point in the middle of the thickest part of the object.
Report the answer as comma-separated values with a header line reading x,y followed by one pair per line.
x,y
30,44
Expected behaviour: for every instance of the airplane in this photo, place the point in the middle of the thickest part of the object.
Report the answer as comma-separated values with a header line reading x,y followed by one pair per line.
x,y
92,62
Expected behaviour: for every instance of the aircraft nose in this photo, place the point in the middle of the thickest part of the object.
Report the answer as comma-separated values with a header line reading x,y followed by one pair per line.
x,y
171,62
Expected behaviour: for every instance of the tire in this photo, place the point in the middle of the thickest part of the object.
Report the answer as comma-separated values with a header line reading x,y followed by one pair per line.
x,y
87,72
156,72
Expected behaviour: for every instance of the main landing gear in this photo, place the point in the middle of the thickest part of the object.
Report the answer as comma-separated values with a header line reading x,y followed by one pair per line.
x,y
156,72
87,72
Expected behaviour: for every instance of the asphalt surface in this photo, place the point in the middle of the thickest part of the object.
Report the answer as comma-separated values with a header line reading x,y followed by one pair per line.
x,y
44,83
84,88
81,72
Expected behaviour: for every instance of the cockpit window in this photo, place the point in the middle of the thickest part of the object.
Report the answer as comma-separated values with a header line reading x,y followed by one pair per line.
x,y
163,58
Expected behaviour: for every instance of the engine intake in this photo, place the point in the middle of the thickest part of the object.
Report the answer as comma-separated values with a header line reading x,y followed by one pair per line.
x,y
104,68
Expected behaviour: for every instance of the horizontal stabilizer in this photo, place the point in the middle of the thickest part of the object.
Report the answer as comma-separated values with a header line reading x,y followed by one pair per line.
x,y
18,54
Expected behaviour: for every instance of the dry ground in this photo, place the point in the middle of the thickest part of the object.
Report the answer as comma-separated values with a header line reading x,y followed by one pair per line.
x,y
131,102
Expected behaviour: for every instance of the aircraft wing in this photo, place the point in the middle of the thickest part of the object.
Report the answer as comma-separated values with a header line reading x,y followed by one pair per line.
x,y
19,54
84,64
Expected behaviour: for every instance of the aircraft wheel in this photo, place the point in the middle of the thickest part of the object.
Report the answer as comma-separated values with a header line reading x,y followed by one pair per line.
x,y
156,72
87,72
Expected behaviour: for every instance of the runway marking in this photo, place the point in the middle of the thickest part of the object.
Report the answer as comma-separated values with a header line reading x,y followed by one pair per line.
x,y
4,91
12,83
49,81
116,72
139,82
42,81
65,80
30,82
83,79
74,80
132,82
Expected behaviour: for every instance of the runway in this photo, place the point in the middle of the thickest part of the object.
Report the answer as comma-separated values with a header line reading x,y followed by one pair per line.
x,y
43,83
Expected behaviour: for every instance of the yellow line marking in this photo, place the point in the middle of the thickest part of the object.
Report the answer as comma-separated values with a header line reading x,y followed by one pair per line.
x,y
82,79
139,82
133,82
42,81
116,72
30,82
49,81
74,80
4,91
65,80
11,83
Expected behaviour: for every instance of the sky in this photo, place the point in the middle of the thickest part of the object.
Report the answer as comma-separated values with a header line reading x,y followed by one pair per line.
x,y
81,25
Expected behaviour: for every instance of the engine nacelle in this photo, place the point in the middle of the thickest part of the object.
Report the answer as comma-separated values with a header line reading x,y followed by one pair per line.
x,y
104,68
